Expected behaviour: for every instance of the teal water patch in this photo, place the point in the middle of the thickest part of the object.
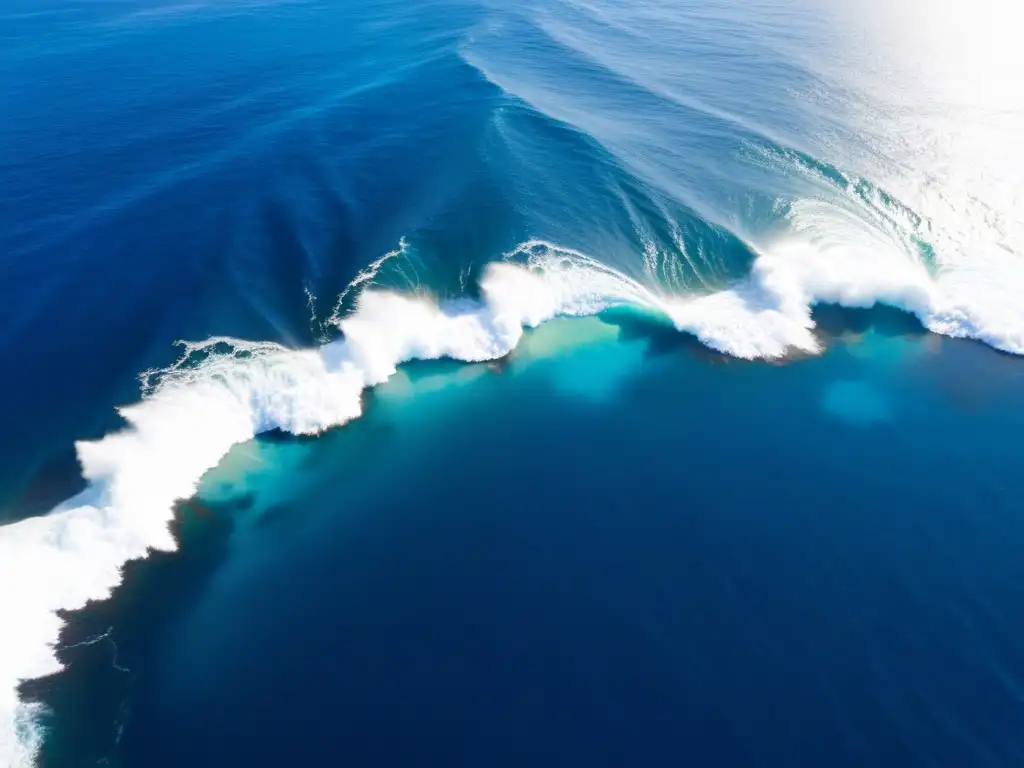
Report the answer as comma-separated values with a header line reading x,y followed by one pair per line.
x,y
857,402
603,518
582,357
255,470
602,511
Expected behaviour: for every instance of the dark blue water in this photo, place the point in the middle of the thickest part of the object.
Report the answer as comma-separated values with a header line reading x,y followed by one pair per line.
x,y
707,481
567,560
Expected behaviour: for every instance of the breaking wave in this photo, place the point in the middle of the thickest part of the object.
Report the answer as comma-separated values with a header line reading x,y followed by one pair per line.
x,y
224,391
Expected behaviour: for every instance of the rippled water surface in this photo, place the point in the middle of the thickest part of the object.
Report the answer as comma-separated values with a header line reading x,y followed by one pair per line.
x,y
675,348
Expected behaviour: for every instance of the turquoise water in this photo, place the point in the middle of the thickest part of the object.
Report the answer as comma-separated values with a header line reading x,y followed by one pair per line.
x,y
451,383
607,549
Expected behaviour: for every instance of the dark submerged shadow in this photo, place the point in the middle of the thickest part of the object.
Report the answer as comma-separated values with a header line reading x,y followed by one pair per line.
x,y
835,323
105,646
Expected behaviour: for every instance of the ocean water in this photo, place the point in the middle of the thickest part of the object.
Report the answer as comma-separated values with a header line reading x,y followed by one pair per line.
x,y
447,383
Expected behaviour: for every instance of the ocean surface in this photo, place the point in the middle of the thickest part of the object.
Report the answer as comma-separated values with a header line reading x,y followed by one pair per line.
x,y
464,383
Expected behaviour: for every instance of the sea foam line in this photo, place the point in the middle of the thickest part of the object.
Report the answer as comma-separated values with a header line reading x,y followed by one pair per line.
x,y
192,413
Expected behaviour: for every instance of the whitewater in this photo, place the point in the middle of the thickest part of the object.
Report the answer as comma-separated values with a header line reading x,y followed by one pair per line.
x,y
225,391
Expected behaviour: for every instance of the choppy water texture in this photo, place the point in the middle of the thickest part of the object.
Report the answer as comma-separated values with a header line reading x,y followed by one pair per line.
x,y
621,538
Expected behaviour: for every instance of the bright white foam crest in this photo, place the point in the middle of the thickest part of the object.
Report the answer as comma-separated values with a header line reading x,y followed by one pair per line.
x,y
365,277
835,256
983,298
768,314
226,391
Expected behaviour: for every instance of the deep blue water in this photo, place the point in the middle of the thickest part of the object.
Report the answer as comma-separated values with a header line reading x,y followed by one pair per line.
x,y
709,480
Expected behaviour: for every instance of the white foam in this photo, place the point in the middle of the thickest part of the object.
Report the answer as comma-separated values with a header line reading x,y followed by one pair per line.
x,y
835,256
192,414
226,391
768,314
365,277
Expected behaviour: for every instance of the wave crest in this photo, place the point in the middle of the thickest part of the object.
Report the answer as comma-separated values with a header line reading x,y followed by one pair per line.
x,y
225,391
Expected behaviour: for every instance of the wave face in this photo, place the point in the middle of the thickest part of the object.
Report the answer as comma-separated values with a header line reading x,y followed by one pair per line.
x,y
226,391
724,167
